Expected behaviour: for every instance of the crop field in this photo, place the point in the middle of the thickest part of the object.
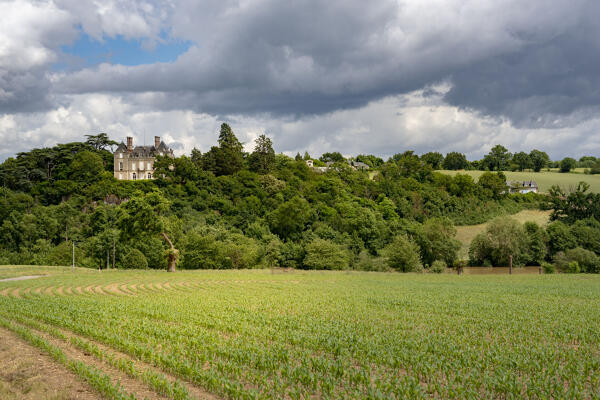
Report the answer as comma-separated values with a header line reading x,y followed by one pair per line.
x,y
277,334
544,179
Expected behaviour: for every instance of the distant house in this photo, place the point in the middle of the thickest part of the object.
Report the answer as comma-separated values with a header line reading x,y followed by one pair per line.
x,y
359,165
135,163
355,165
523,187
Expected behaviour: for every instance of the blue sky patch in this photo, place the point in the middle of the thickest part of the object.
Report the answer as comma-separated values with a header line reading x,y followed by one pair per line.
x,y
87,51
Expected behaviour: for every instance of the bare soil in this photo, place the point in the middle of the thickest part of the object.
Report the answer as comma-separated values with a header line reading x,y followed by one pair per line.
x,y
28,373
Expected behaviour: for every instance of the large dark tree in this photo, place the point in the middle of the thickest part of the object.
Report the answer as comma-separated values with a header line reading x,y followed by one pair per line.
x,y
100,141
263,157
539,159
497,159
455,161
434,159
228,158
522,160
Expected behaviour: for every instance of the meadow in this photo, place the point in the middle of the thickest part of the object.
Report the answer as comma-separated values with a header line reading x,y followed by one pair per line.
x,y
544,179
281,334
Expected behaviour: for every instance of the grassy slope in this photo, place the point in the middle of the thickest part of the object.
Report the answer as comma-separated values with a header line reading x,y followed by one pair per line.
x,y
544,179
347,335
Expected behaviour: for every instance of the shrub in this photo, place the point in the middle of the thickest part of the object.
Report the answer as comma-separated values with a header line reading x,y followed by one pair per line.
x,y
367,262
403,255
438,267
587,260
135,259
323,254
572,268
548,268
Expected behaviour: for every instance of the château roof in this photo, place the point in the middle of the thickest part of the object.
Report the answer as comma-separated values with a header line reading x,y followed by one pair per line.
x,y
145,151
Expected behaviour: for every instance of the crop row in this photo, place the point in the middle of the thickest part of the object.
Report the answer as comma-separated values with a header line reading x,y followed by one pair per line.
x,y
352,339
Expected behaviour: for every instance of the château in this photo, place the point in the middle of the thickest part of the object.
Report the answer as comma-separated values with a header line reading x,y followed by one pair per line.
x,y
133,163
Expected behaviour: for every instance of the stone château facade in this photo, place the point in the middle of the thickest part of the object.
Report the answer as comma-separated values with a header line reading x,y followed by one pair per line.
x,y
138,163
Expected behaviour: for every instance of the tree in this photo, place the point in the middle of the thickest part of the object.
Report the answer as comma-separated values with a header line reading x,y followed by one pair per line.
x,y
567,164
436,241
332,157
493,184
196,157
560,238
455,161
497,159
145,214
539,160
522,161
290,218
402,254
100,141
228,157
434,159
503,238
263,157
536,248
87,167
369,159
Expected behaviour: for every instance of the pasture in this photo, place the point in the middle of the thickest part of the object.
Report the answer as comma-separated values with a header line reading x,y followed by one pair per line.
x,y
544,179
276,334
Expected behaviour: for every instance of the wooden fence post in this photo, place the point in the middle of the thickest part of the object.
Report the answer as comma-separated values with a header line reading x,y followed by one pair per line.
x,y
510,265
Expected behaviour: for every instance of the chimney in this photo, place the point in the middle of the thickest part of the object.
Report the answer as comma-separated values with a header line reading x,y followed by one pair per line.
x,y
156,141
129,144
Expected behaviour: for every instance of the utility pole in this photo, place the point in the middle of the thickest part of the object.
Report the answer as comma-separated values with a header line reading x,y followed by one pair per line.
x,y
107,262
113,252
73,255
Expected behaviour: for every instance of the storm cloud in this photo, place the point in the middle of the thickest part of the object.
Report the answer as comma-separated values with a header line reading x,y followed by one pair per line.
x,y
336,75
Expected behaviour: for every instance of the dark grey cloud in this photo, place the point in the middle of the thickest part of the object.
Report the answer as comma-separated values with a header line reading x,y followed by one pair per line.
x,y
380,76
525,62
543,83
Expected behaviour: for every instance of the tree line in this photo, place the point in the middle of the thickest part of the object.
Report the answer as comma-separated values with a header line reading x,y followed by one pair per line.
x,y
226,208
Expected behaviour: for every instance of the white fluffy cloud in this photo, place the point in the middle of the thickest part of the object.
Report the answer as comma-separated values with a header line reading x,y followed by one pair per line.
x,y
419,120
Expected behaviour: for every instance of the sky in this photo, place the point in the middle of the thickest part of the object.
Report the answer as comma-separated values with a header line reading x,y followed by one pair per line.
x,y
359,77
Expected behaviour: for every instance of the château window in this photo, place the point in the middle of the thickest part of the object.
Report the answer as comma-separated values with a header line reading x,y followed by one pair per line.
x,y
149,176
133,166
120,165
120,155
134,176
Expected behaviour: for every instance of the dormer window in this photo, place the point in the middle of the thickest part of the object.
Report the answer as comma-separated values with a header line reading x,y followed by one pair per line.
x,y
120,155
121,165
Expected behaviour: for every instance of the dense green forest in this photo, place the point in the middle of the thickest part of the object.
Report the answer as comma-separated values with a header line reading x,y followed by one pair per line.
x,y
229,209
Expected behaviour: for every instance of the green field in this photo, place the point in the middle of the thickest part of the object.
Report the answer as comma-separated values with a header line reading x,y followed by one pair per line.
x,y
544,179
276,334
